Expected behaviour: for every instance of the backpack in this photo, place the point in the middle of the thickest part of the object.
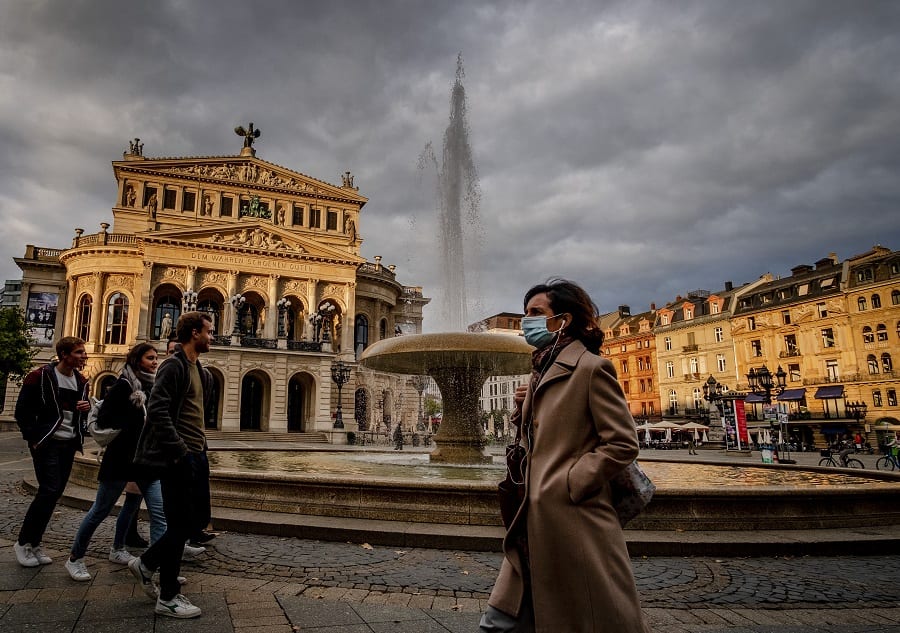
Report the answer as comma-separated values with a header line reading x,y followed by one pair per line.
x,y
103,436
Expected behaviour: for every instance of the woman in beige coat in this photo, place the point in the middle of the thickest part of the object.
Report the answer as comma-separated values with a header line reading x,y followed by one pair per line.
x,y
566,567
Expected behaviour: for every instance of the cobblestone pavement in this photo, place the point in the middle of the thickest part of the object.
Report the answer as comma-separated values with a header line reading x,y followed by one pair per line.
x,y
250,583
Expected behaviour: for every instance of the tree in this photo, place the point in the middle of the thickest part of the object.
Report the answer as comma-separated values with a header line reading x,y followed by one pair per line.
x,y
432,406
15,345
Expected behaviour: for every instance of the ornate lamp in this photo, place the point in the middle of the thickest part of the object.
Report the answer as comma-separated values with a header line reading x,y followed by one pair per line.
x,y
283,305
189,299
857,409
762,383
340,374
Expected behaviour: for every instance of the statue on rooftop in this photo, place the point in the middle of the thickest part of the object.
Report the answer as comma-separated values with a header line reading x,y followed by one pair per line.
x,y
250,134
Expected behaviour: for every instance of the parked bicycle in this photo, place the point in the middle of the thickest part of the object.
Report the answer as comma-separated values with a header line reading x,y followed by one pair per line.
x,y
888,461
843,459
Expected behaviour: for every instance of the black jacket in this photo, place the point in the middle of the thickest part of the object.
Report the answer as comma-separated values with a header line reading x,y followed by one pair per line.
x,y
159,444
119,412
38,411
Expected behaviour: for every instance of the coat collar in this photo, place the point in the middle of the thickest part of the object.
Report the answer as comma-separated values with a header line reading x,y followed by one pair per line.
x,y
561,368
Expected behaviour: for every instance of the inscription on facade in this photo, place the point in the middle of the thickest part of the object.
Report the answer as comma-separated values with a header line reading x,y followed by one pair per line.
x,y
217,258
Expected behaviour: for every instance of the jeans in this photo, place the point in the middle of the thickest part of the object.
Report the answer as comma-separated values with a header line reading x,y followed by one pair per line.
x,y
52,467
152,496
179,490
107,494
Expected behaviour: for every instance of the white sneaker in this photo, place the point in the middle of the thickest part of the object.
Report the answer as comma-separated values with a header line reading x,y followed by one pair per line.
x,y
145,577
191,552
120,556
177,607
77,570
25,555
41,557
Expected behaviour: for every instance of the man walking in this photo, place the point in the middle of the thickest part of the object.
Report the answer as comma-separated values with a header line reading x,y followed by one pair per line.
x,y
51,413
171,442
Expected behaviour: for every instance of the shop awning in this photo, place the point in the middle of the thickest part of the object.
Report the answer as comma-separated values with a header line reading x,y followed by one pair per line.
x,y
792,394
831,392
752,397
833,429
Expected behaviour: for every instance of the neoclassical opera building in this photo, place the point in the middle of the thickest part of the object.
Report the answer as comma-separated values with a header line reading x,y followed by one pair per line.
x,y
272,255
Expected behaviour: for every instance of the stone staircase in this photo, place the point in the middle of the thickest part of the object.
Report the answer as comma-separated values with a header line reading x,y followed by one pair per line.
x,y
262,436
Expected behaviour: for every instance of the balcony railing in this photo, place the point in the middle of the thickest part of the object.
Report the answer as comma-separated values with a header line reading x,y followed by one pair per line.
x,y
104,239
690,348
304,346
267,343
789,353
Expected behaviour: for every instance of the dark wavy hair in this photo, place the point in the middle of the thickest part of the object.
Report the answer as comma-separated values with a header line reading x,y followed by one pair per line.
x,y
188,322
567,296
136,353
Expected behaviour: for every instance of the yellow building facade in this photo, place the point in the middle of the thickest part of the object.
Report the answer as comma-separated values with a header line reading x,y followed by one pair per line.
x,y
271,254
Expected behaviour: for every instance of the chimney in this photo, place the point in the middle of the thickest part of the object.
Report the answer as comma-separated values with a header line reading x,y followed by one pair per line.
x,y
653,307
729,286
624,311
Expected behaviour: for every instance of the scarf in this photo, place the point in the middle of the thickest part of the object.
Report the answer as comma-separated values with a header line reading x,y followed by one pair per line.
x,y
141,382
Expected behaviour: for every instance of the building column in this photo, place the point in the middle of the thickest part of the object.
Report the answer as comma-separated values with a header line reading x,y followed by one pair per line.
x,y
348,322
71,308
146,301
232,289
95,334
271,309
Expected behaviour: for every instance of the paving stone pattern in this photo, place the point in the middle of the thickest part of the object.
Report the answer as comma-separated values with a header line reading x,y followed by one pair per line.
x,y
251,583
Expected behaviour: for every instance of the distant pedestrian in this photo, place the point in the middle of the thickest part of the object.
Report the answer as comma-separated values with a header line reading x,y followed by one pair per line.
x,y
51,413
692,445
398,437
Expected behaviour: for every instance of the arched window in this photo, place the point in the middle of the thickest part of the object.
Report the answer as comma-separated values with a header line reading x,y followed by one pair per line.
x,y
170,304
887,366
876,301
861,303
83,323
868,336
673,401
360,333
116,319
876,397
872,362
382,330
895,297
881,332
214,310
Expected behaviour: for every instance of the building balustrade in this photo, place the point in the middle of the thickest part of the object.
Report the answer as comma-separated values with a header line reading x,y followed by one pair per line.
x,y
103,239
690,348
789,353
266,343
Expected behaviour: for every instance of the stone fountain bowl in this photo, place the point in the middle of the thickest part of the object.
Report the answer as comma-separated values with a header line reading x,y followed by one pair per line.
x,y
490,354
459,362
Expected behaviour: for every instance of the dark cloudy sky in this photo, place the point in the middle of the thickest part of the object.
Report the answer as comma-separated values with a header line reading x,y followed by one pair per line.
x,y
644,149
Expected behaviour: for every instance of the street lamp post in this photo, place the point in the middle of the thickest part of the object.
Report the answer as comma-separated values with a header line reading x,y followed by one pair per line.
x,y
765,384
419,383
340,374
712,393
237,302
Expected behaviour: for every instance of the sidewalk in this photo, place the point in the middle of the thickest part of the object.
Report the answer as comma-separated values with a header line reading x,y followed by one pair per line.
x,y
252,583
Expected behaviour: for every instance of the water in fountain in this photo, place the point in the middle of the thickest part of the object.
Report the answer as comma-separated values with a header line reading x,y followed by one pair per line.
x,y
458,191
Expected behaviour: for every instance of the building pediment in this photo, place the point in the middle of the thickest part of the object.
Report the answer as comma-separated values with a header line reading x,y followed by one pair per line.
x,y
259,237
248,172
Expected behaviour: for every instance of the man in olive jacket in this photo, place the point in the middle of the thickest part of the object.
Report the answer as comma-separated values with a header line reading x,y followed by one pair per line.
x,y
172,440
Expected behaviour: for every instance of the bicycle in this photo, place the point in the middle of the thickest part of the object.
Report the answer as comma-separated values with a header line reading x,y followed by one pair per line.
x,y
846,462
887,462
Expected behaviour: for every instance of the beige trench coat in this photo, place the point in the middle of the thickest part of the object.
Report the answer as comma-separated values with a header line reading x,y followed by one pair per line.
x,y
582,580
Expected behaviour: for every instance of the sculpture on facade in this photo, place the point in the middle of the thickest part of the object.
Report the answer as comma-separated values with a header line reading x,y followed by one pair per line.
x,y
151,206
130,196
250,134
165,328
135,147
207,205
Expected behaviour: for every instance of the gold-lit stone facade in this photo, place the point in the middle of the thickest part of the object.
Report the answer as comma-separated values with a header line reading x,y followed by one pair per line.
x,y
271,254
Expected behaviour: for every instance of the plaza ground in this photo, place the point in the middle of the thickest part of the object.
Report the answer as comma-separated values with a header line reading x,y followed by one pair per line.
x,y
259,583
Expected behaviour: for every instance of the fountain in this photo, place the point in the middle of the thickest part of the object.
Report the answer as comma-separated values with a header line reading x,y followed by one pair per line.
x,y
459,362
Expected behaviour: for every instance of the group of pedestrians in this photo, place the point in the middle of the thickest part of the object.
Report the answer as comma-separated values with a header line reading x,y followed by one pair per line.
x,y
159,409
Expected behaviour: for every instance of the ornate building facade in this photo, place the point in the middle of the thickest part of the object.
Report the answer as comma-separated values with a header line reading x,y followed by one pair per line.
x,y
271,254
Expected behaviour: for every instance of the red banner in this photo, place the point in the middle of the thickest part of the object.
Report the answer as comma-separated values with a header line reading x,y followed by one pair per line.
x,y
741,415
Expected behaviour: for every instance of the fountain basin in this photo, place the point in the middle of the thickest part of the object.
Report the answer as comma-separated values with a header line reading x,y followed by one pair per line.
x,y
459,362
741,498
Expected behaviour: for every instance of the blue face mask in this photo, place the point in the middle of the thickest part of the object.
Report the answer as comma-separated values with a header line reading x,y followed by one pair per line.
x,y
536,332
